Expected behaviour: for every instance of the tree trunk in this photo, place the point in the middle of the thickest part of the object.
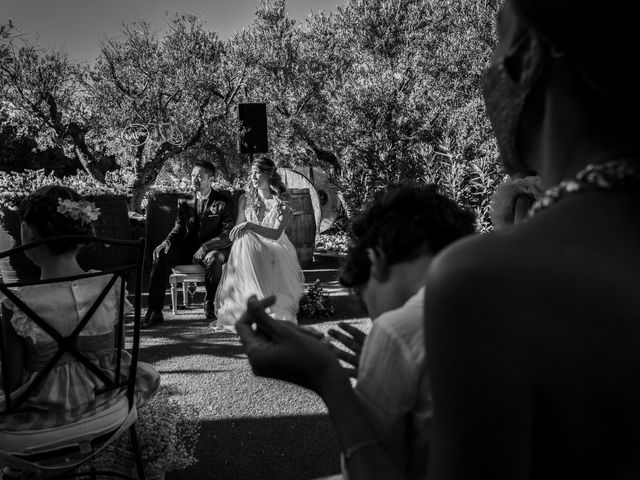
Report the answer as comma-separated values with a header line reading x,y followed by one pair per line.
x,y
220,161
148,173
86,157
324,156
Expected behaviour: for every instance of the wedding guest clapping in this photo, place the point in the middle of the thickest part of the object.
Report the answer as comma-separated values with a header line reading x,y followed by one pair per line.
x,y
394,242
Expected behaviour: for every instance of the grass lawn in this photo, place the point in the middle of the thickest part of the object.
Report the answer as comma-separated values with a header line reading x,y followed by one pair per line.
x,y
252,428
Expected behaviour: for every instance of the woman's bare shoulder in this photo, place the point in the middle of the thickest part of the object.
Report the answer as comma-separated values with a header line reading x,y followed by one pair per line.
x,y
489,253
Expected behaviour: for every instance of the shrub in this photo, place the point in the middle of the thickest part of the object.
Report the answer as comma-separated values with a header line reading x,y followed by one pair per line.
x,y
316,303
332,243
16,186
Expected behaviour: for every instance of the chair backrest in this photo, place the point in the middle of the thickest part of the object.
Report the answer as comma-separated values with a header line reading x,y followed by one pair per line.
x,y
72,344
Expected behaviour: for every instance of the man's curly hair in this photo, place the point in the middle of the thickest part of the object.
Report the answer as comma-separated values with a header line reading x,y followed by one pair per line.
x,y
403,222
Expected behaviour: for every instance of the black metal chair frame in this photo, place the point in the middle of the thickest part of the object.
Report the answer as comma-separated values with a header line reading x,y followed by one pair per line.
x,y
68,345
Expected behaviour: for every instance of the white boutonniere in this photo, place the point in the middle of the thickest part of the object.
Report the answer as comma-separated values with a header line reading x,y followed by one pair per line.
x,y
215,208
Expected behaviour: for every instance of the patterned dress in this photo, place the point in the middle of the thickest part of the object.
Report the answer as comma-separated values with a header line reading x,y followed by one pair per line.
x,y
68,393
262,267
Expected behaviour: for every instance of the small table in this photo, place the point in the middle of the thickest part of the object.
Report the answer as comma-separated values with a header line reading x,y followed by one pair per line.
x,y
184,274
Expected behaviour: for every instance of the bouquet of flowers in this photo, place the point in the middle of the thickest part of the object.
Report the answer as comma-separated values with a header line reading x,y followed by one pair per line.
x,y
167,434
316,303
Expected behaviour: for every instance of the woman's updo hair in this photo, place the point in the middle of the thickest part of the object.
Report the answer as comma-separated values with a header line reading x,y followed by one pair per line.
x,y
276,185
41,210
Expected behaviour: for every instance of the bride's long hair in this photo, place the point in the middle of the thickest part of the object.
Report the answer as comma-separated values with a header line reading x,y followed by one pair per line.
x,y
276,185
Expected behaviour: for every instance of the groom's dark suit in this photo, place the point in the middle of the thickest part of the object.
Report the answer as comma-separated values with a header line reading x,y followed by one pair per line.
x,y
199,224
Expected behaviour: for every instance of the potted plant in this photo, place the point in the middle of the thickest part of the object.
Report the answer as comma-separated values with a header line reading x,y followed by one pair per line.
x,y
316,303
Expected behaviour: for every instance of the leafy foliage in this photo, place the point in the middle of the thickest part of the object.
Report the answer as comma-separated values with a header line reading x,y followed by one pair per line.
x,y
379,91
336,243
316,303
16,186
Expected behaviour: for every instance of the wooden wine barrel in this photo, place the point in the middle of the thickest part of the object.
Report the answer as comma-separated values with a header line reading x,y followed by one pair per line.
x,y
16,267
301,229
330,204
113,222
295,179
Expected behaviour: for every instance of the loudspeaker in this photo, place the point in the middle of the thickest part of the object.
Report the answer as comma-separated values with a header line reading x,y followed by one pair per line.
x,y
253,119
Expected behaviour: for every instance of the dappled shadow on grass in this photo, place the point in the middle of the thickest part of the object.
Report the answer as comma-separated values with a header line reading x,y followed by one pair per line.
x,y
169,390
188,334
157,353
187,372
291,447
180,338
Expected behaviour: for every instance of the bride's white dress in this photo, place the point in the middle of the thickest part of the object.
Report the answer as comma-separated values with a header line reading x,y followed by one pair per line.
x,y
262,267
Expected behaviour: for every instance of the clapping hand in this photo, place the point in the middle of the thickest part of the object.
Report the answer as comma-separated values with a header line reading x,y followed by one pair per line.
x,y
281,350
353,340
239,230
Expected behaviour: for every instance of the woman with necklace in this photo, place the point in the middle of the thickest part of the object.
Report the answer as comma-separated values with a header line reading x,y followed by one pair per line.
x,y
263,260
532,333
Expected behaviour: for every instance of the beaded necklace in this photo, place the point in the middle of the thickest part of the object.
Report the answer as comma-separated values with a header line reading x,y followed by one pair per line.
x,y
612,175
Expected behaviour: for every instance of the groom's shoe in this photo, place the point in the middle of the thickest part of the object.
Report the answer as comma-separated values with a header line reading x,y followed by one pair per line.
x,y
151,319
209,311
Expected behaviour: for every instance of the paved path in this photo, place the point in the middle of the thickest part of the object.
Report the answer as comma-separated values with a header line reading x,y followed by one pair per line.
x,y
252,428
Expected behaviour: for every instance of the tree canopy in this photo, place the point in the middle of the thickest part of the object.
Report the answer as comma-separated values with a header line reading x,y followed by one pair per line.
x,y
380,91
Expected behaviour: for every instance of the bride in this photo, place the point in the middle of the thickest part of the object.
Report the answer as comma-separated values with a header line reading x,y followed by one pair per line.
x,y
263,260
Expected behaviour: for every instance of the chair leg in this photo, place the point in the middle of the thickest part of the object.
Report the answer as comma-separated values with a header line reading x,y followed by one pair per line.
x,y
185,293
174,299
136,452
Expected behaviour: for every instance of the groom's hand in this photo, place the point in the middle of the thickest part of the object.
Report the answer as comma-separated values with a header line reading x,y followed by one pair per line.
x,y
164,246
199,255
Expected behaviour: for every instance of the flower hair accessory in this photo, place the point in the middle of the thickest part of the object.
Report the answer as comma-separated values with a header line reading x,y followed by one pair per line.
x,y
82,212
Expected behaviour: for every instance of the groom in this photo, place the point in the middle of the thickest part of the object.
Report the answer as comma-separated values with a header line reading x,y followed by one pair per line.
x,y
200,236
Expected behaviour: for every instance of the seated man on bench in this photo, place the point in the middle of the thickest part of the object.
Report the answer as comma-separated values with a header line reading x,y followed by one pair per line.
x,y
200,236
